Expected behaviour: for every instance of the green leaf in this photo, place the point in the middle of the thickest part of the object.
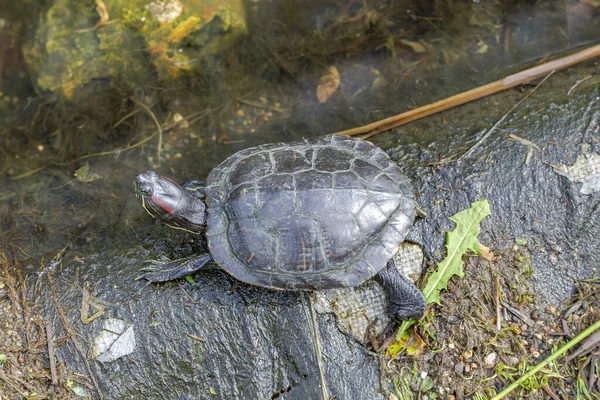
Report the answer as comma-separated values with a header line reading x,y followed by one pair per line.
x,y
521,242
426,384
461,239
78,390
212,391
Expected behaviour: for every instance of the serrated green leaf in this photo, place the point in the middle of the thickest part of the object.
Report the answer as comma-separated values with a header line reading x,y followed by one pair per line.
x,y
458,241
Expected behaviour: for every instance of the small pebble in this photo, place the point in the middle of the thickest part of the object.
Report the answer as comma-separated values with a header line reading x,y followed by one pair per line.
x,y
459,369
467,355
490,360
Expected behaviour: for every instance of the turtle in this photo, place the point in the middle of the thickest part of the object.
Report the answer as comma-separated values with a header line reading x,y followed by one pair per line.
x,y
317,214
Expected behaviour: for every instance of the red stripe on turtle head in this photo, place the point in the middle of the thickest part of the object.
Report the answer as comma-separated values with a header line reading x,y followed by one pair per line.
x,y
169,179
162,205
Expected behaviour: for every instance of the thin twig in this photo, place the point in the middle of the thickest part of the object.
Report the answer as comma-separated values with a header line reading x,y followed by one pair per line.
x,y
104,18
317,344
592,377
517,313
510,81
195,337
131,114
160,132
259,105
579,82
503,118
11,384
586,347
497,304
51,355
550,393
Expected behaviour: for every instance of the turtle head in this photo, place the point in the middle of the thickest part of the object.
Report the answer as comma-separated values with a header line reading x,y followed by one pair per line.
x,y
169,202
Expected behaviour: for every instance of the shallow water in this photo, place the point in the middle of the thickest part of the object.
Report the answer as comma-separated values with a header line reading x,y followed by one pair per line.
x,y
391,57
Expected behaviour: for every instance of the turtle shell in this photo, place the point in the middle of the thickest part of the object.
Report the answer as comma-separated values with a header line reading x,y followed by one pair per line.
x,y
322,213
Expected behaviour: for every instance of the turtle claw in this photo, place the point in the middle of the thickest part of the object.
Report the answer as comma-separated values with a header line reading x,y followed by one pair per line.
x,y
154,266
166,270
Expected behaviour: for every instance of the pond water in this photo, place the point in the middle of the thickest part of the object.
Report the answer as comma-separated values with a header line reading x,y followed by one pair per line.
x,y
87,105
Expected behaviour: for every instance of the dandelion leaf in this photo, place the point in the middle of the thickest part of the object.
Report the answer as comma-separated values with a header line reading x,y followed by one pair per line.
x,y
458,241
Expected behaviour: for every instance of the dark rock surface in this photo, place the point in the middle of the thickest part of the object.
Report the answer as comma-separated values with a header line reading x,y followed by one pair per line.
x,y
257,343
529,201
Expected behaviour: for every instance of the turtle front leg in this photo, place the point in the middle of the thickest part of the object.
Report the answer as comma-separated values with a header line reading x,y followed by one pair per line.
x,y
406,300
161,271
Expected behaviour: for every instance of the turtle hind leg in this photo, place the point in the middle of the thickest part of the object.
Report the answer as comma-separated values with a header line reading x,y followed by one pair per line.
x,y
406,300
162,271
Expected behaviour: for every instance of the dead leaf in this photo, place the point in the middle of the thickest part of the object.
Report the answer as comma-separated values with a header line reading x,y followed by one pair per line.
x,y
483,49
485,252
86,175
417,47
528,156
524,141
329,84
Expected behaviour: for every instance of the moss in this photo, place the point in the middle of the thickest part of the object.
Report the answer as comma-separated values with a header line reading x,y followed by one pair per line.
x,y
69,50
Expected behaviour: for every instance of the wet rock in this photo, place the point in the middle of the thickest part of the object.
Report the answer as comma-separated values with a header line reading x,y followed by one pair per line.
x,y
529,201
210,336
70,48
